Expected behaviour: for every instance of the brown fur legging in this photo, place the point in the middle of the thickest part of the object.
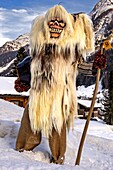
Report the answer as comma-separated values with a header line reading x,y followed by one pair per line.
x,y
27,140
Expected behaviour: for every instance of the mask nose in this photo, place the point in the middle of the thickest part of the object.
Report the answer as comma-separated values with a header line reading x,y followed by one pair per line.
x,y
56,22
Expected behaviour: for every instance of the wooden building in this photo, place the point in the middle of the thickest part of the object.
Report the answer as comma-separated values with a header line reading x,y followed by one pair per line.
x,y
7,92
84,106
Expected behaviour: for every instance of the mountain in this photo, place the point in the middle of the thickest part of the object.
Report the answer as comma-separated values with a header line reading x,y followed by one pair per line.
x,y
102,17
9,51
14,45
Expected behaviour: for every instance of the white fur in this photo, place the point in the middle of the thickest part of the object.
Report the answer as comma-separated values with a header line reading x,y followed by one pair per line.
x,y
51,104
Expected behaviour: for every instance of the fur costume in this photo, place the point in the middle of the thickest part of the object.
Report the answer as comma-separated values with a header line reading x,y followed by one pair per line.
x,y
53,69
58,42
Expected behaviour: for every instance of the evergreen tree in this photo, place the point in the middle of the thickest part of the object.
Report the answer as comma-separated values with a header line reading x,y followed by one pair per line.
x,y
19,57
111,96
21,54
108,102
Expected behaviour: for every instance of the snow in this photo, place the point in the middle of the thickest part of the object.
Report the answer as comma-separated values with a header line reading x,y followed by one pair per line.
x,y
7,86
102,9
7,66
87,92
87,103
97,151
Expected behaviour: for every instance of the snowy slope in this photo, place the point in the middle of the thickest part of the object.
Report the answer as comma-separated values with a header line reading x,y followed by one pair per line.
x,y
97,151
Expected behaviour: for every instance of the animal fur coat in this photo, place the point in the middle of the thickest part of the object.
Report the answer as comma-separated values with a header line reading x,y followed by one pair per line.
x,y
53,99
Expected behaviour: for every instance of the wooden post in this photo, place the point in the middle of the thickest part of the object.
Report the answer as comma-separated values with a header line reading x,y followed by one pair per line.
x,y
77,162
88,119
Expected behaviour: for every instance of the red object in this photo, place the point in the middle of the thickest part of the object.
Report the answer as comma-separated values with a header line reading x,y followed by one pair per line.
x,y
21,86
99,61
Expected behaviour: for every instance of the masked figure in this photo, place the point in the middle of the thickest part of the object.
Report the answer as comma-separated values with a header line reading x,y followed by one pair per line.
x,y
59,41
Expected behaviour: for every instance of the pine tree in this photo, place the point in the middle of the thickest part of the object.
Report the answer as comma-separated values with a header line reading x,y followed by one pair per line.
x,y
21,54
19,57
108,102
111,96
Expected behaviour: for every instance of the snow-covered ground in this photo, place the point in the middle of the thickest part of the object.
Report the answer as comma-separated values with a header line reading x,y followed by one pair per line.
x,y
7,86
97,151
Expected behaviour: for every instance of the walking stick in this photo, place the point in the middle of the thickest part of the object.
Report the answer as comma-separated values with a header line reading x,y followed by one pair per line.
x,y
88,119
89,115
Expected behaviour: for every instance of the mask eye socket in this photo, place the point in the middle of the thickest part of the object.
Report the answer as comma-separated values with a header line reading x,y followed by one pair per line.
x,y
50,22
62,24
57,22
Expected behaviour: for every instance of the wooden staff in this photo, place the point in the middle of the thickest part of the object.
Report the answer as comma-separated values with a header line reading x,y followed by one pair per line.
x,y
77,162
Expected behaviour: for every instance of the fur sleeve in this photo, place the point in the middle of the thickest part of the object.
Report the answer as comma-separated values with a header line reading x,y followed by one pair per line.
x,y
84,33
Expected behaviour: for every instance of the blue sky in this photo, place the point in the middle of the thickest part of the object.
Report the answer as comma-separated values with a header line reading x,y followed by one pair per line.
x,y
16,15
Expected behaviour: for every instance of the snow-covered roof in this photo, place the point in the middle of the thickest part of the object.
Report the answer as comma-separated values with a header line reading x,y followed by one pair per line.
x,y
87,103
7,86
88,91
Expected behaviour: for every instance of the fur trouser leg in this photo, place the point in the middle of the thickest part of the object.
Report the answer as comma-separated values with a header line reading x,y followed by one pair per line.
x,y
26,139
57,145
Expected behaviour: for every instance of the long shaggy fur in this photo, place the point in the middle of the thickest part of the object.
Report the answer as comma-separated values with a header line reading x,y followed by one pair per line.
x,y
53,98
